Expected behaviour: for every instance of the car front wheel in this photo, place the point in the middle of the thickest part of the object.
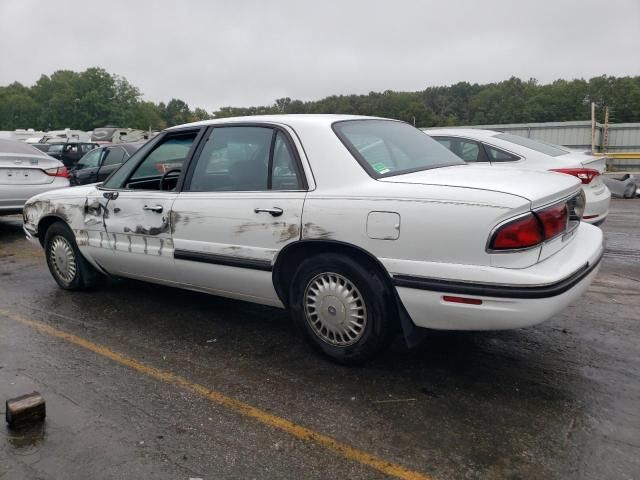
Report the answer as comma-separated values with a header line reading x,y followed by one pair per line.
x,y
343,309
67,265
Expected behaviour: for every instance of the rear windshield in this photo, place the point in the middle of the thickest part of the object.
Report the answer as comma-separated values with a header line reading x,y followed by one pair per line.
x,y
385,147
12,146
546,148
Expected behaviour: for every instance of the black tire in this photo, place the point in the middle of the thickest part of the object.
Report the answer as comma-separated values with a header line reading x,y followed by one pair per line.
x,y
379,308
84,276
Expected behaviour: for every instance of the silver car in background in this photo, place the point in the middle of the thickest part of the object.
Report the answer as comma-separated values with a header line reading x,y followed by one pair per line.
x,y
24,172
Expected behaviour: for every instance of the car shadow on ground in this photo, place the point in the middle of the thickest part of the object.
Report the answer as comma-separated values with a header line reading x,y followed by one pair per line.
x,y
266,340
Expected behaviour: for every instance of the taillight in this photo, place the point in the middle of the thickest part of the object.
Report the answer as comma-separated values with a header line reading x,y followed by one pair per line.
x,y
554,220
521,233
57,172
584,174
532,229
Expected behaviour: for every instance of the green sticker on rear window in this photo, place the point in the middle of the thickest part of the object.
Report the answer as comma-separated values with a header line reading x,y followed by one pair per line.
x,y
381,168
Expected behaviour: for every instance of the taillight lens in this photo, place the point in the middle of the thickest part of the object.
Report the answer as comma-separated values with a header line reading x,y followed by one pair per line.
x,y
521,233
554,220
586,175
57,172
532,229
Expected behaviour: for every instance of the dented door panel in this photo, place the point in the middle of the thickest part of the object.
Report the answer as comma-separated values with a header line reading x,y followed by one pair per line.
x,y
138,232
232,245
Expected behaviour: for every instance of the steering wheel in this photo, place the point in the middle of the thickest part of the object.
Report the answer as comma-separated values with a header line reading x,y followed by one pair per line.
x,y
166,174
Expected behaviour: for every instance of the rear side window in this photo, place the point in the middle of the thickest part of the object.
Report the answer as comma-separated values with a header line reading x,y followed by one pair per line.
x,y
497,155
386,147
244,158
468,150
114,156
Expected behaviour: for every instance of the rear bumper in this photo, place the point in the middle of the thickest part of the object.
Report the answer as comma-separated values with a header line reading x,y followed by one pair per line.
x,y
505,305
597,205
13,197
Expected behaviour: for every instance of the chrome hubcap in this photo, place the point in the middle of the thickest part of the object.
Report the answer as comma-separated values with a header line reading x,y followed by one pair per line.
x,y
62,258
335,309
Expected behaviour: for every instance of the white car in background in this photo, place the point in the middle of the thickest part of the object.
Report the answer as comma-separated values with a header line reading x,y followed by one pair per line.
x,y
361,227
490,147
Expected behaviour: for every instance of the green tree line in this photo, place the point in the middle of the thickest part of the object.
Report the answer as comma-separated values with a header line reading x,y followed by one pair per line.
x,y
96,98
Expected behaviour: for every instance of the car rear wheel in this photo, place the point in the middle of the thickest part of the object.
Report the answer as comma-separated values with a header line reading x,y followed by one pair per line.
x,y
68,267
342,308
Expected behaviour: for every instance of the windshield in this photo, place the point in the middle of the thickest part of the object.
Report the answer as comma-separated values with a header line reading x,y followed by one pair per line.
x,y
385,147
546,148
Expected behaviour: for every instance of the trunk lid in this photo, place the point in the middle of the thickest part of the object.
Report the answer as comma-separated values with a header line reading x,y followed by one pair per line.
x,y
20,169
540,188
584,159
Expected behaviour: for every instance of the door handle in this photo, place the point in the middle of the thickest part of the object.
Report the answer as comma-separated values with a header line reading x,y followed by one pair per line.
x,y
275,211
155,208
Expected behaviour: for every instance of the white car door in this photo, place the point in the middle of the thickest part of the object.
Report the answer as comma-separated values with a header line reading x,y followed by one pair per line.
x,y
138,215
241,203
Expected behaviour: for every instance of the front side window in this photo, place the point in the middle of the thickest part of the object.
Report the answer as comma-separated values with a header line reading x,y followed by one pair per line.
x,y
146,167
386,147
90,160
236,159
168,155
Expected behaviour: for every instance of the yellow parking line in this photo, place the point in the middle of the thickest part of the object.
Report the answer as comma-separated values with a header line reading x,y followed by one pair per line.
x,y
298,431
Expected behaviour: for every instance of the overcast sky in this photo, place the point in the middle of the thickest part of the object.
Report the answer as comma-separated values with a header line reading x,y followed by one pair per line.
x,y
242,53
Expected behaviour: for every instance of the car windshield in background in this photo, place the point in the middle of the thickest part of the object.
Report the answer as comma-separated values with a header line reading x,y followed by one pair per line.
x,y
546,148
386,148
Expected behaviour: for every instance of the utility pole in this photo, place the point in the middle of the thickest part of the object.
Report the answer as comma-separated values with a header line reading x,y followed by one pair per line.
x,y
605,132
593,127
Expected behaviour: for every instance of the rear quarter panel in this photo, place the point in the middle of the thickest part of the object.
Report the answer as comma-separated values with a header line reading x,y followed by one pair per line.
x,y
440,227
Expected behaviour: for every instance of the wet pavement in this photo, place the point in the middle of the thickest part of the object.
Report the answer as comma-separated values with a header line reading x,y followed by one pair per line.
x,y
560,400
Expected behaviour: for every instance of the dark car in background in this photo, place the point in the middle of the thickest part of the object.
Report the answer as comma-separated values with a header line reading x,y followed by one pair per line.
x,y
99,163
70,152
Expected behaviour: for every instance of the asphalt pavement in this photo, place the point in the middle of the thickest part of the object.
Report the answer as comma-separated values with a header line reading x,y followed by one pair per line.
x,y
143,381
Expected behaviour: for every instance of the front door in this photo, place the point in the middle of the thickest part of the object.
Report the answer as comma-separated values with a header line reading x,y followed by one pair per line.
x,y
138,216
242,202
139,232
86,170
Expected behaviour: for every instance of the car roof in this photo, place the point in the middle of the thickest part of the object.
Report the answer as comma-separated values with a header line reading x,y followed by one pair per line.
x,y
292,120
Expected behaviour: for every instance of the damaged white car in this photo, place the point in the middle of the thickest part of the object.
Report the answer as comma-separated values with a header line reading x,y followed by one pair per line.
x,y
362,227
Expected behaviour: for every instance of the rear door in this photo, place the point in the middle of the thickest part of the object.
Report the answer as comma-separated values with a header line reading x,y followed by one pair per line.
x,y
242,202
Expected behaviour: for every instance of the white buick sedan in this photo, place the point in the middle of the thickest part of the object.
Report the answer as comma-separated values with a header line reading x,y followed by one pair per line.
x,y
361,227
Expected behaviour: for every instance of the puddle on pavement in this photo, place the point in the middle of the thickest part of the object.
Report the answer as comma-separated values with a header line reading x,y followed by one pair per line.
x,y
26,440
